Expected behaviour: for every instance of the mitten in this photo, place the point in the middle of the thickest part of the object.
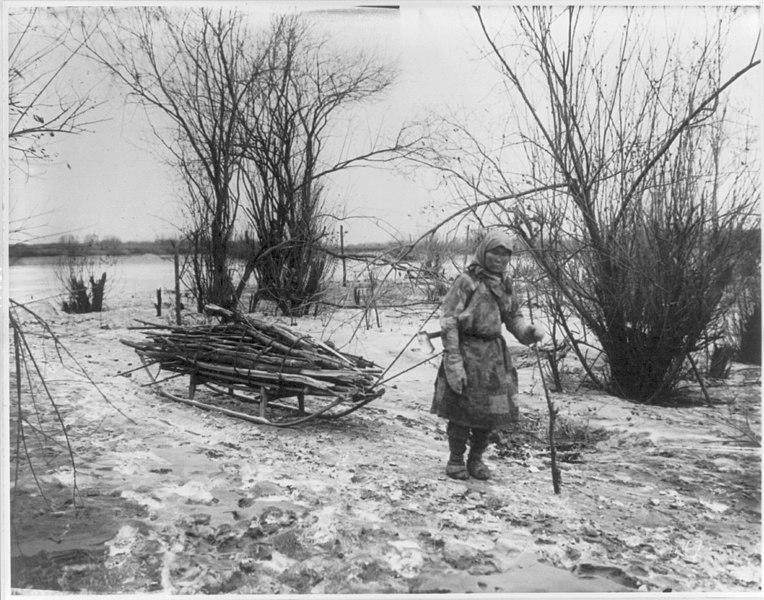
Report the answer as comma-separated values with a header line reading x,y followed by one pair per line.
x,y
534,333
453,365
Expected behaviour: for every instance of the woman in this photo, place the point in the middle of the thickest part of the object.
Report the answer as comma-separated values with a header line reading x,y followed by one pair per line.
x,y
476,385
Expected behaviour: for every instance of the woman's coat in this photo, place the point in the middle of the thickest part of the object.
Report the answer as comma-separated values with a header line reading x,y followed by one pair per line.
x,y
473,312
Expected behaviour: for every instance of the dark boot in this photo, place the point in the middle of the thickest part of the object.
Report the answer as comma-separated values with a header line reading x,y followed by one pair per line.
x,y
457,445
478,443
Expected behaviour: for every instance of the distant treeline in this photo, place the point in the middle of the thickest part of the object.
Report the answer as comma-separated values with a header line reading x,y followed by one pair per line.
x,y
110,246
116,247
749,240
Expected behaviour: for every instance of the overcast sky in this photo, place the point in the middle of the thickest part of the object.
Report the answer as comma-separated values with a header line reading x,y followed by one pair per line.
x,y
111,182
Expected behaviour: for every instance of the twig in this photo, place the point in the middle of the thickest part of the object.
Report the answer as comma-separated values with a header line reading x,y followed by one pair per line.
x,y
60,346
22,345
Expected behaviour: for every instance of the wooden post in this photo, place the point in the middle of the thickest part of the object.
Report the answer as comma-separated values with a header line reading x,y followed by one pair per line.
x,y
177,287
342,253
158,304
301,402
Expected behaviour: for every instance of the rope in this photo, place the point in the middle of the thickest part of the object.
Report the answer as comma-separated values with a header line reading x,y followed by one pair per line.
x,y
379,379
421,362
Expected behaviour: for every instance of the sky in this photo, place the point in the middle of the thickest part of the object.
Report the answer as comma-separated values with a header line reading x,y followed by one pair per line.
x,y
112,181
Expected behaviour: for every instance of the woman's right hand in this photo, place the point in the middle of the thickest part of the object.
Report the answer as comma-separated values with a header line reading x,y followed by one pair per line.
x,y
456,376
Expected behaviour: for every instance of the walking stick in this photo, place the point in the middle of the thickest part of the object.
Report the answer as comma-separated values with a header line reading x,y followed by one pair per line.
x,y
556,477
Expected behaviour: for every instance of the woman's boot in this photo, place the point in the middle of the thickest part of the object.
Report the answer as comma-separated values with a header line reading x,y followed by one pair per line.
x,y
457,445
478,443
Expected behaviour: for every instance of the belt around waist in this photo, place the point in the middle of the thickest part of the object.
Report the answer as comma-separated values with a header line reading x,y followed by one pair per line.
x,y
486,338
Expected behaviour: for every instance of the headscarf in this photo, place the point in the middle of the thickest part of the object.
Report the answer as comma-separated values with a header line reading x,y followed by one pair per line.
x,y
477,266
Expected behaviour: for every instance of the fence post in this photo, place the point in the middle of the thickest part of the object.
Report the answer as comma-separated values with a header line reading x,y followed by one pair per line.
x,y
342,253
177,287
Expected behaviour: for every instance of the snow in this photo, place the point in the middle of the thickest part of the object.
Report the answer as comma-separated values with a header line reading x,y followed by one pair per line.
x,y
670,498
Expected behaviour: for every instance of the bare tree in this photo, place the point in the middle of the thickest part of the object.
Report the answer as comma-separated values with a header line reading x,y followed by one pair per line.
x,y
643,190
190,69
307,90
39,107
250,113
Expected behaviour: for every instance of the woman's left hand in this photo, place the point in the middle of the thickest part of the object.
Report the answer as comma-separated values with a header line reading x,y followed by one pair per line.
x,y
536,332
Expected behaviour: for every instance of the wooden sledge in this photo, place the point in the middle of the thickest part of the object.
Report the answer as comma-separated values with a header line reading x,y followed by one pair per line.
x,y
260,372
268,401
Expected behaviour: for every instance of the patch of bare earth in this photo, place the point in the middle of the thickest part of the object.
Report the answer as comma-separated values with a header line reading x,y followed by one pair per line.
x,y
181,500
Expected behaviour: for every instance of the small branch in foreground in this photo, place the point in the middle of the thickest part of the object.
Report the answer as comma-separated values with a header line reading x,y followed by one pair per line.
x,y
556,477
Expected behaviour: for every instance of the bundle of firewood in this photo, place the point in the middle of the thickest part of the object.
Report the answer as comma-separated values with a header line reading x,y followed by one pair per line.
x,y
253,353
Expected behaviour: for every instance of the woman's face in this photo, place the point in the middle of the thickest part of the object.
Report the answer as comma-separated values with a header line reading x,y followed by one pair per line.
x,y
497,259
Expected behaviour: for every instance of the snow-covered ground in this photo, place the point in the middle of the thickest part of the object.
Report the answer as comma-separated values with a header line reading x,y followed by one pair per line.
x,y
177,499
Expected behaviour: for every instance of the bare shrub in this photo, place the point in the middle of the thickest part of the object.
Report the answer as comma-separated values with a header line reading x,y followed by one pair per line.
x,y
83,277
744,314
750,336
306,88
293,275
641,181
